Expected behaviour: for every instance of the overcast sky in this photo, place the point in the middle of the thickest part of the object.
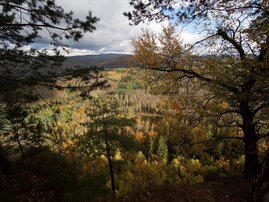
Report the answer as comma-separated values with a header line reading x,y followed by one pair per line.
x,y
113,33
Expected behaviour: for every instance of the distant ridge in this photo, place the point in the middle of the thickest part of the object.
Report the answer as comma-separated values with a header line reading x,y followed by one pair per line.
x,y
111,60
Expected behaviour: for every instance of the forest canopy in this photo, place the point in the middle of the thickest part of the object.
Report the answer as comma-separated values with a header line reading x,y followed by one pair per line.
x,y
173,121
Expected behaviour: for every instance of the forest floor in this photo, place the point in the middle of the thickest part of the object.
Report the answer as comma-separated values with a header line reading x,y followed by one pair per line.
x,y
233,191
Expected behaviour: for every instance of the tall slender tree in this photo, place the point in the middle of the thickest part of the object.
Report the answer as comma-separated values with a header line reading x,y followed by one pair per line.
x,y
105,121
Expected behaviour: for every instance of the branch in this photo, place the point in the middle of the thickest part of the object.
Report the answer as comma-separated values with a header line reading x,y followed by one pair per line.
x,y
20,7
264,50
229,137
237,46
198,42
266,104
263,136
210,141
36,25
191,73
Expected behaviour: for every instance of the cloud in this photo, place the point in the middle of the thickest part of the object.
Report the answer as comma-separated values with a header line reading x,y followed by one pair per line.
x,y
188,37
113,32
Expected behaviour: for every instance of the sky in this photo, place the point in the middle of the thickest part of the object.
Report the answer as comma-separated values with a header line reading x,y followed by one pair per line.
x,y
113,33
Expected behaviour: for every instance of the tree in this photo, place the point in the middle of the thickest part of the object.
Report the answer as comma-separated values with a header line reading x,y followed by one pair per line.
x,y
237,73
162,149
259,188
105,120
21,23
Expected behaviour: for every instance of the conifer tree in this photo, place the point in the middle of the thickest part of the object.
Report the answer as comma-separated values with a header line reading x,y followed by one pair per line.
x,y
21,24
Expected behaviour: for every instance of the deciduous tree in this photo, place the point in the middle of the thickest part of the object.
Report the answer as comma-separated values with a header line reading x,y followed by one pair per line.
x,y
237,72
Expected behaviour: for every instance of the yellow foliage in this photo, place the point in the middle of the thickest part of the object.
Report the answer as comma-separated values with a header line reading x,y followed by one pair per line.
x,y
263,145
103,157
183,170
175,162
138,119
199,131
152,133
139,136
115,75
195,164
224,105
223,164
118,156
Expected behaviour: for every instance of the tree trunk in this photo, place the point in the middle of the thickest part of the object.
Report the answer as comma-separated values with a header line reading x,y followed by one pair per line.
x,y
260,186
109,162
20,146
251,166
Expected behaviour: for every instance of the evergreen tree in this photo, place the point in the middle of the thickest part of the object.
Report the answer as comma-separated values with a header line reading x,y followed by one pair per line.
x,y
162,149
105,120
21,22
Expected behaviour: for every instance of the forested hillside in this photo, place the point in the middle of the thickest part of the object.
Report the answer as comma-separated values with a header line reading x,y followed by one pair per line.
x,y
101,60
173,121
154,141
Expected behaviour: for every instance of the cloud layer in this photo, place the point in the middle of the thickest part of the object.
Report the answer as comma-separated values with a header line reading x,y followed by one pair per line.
x,y
113,33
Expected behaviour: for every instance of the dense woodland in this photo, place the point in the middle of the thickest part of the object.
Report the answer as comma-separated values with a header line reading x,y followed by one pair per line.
x,y
180,122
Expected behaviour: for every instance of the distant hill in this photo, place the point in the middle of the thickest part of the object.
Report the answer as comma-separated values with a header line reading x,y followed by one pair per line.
x,y
102,60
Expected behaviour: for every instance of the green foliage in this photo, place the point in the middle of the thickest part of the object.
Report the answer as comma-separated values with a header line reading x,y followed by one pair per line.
x,y
128,84
162,151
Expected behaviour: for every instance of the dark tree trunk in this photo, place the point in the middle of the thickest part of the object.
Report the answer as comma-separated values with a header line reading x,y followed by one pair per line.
x,y
260,184
251,166
110,162
20,146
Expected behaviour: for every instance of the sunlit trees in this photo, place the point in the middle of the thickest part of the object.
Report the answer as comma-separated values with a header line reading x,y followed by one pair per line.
x,y
60,123
237,73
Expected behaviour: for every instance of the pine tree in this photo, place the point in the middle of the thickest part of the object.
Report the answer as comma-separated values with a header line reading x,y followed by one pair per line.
x,y
21,23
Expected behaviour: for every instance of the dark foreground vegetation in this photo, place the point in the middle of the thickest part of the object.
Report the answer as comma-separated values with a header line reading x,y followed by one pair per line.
x,y
181,124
